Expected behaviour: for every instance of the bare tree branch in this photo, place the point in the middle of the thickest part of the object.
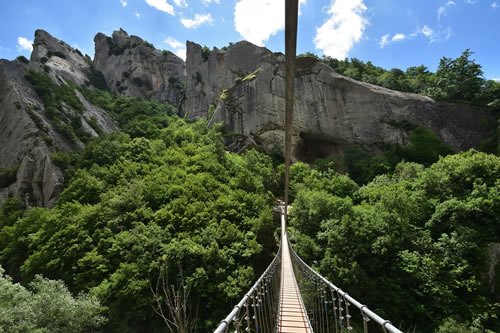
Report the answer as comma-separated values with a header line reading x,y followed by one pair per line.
x,y
175,299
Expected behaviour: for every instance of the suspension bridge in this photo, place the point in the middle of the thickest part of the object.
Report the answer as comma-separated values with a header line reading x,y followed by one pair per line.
x,y
291,297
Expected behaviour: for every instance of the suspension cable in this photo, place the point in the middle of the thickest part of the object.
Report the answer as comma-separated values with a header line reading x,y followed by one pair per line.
x,y
291,17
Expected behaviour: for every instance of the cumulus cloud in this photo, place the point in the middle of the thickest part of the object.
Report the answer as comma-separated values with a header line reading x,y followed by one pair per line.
x,y
124,3
161,5
257,20
443,9
398,37
24,44
197,21
342,29
138,15
173,42
494,5
180,3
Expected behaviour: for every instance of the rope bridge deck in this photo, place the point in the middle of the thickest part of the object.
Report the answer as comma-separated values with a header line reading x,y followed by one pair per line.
x,y
292,315
291,297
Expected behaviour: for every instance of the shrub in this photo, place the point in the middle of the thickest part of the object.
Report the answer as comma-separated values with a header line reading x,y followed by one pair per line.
x,y
96,78
56,53
7,176
61,159
148,44
205,53
23,59
48,140
46,306
115,49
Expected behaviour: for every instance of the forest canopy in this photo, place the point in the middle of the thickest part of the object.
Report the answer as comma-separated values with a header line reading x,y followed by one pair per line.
x,y
406,232
460,79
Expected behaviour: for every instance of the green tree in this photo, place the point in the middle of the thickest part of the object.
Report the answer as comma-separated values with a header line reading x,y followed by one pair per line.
x,y
459,79
46,306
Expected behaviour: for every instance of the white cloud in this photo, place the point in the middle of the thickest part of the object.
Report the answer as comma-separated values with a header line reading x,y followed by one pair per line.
x,y
494,5
207,2
443,9
471,2
427,31
138,15
173,42
448,33
161,5
180,3
384,41
430,34
398,37
124,3
257,20
24,44
497,80
197,21
181,53
342,29
179,47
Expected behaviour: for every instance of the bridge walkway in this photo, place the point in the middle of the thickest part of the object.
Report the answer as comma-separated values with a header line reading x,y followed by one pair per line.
x,y
292,315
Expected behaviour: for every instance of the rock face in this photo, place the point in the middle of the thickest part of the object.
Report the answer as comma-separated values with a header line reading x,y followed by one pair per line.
x,y
247,85
243,87
28,137
134,68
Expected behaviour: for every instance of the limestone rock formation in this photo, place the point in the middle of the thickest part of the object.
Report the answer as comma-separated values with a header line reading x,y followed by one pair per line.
x,y
58,59
28,135
247,85
134,68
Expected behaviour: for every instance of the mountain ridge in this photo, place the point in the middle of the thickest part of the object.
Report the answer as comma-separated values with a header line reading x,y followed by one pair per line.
x,y
241,86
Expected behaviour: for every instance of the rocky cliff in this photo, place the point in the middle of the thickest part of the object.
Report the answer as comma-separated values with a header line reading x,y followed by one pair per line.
x,y
242,86
30,131
133,67
246,83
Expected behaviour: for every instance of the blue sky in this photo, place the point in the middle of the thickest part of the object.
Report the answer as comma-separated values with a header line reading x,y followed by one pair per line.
x,y
389,33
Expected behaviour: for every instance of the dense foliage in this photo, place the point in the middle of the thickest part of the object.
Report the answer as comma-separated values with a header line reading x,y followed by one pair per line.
x,y
413,246
459,79
163,194
424,147
162,198
61,106
46,307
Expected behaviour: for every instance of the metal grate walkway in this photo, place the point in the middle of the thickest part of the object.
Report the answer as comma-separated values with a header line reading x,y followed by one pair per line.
x,y
292,315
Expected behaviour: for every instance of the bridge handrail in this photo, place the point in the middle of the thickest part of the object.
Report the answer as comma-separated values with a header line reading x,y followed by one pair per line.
x,y
386,325
224,324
